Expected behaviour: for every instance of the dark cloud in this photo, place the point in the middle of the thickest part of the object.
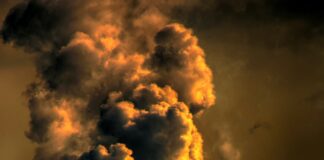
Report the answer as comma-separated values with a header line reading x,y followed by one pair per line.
x,y
267,57
151,136
177,52
116,152
102,90
35,26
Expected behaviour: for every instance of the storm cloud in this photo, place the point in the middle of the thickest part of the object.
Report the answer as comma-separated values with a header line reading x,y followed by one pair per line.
x,y
115,79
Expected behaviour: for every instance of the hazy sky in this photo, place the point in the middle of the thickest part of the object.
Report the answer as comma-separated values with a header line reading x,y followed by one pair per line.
x,y
268,64
16,70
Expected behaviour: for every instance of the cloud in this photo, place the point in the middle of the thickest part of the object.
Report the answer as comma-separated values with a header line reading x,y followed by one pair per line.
x,y
178,55
116,152
115,79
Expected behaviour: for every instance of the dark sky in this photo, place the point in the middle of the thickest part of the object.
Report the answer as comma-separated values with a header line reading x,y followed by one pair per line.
x,y
268,63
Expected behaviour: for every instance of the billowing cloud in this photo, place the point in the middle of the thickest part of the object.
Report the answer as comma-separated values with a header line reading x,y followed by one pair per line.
x,y
178,55
116,79
116,152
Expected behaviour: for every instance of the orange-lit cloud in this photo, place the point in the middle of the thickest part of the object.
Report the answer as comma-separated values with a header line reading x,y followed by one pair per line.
x,y
116,81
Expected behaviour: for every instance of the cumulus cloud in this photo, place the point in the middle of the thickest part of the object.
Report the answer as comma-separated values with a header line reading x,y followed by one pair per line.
x,y
116,152
115,80
178,55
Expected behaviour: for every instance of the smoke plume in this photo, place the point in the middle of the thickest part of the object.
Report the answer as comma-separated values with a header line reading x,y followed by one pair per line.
x,y
116,79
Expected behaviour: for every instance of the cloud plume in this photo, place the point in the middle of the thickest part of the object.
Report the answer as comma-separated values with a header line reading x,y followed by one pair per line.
x,y
116,79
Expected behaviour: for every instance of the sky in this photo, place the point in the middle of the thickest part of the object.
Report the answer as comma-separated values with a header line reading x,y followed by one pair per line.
x,y
267,60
